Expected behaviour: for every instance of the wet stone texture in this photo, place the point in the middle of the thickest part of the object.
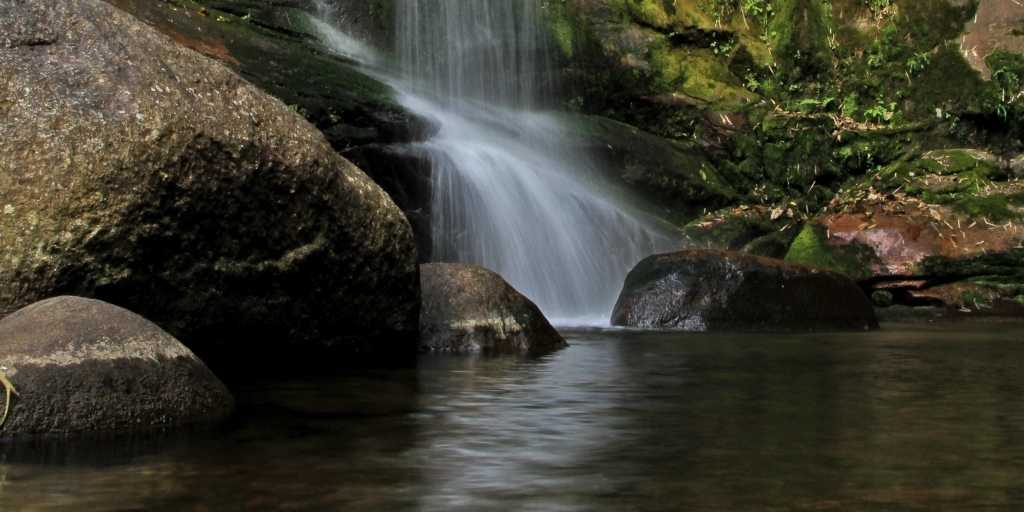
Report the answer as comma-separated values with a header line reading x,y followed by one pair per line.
x,y
139,172
82,364
705,290
471,308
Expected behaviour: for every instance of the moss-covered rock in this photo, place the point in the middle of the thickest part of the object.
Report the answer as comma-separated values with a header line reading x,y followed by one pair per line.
x,y
811,247
675,175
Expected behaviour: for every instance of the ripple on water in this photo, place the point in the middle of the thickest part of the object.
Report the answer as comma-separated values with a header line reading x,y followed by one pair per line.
x,y
902,419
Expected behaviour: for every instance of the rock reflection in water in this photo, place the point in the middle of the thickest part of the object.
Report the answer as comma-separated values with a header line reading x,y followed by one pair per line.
x,y
498,431
900,419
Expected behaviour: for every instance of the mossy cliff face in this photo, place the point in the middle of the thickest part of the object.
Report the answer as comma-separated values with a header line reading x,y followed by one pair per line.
x,y
845,131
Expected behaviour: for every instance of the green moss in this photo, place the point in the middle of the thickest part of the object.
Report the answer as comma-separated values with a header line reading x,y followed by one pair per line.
x,y
968,180
994,207
972,299
666,68
733,233
1007,265
773,245
799,33
882,298
810,248
933,94
671,174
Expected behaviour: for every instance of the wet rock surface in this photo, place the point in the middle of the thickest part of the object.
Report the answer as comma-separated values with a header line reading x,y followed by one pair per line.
x,y
471,308
280,47
81,365
707,290
139,172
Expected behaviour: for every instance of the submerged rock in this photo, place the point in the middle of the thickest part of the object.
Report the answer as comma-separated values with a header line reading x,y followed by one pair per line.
x,y
705,290
471,308
142,173
81,364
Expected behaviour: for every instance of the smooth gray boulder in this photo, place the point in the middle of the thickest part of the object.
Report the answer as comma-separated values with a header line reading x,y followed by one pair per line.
x,y
706,290
466,307
82,364
139,172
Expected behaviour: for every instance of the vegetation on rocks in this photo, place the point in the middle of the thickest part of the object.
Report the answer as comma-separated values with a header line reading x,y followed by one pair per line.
x,y
810,110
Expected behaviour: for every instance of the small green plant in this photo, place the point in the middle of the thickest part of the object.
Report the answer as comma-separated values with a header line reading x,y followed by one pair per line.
x,y
881,112
752,83
881,8
918,62
299,110
723,49
1008,80
810,105
759,10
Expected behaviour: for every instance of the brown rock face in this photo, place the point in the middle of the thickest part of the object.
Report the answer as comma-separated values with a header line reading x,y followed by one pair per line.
x,y
82,364
471,308
704,290
902,241
139,172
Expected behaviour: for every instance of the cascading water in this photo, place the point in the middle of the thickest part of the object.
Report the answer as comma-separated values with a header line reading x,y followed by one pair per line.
x,y
509,193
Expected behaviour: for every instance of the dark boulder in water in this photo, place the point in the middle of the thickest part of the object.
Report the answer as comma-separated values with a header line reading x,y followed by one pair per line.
x,y
81,365
471,308
705,290
139,172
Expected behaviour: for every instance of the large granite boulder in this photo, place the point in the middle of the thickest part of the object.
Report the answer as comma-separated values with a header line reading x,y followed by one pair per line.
x,y
142,173
81,364
706,290
466,307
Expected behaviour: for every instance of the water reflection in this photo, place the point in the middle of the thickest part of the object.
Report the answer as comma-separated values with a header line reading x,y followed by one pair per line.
x,y
895,420
494,432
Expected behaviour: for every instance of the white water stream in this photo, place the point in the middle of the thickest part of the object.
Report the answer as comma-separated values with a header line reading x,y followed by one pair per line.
x,y
510,193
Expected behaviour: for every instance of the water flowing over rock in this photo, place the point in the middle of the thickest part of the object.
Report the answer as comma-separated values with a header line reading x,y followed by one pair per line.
x,y
509,194
705,290
471,308
81,364
139,172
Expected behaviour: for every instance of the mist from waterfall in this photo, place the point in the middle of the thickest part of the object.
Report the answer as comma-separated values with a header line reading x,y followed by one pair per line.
x,y
511,192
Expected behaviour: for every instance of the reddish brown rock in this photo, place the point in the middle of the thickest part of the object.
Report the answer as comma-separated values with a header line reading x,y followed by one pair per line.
x,y
901,242
892,246
996,25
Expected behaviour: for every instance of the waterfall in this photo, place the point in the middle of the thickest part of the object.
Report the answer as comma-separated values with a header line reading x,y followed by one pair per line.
x,y
509,192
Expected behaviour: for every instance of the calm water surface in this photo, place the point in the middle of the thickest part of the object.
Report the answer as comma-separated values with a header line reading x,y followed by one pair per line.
x,y
920,418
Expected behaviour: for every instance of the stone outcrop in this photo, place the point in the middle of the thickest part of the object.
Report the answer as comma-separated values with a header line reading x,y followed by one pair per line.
x,y
706,290
137,171
953,228
81,364
304,52
471,308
